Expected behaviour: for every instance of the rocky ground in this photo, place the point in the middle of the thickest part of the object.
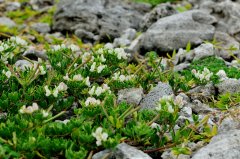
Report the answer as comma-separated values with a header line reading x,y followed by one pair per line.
x,y
197,37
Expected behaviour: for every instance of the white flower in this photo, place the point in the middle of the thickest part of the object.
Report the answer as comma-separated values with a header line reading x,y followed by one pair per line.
x,y
155,126
74,48
29,109
167,97
92,101
18,41
8,73
170,108
179,101
99,91
77,77
100,136
66,77
42,70
100,68
45,113
92,90
222,74
105,87
59,47
75,65
204,75
93,66
35,106
122,78
121,54
86,56
48,92
87,82
158,107
102,58
108,46
62,87
64,121
55,93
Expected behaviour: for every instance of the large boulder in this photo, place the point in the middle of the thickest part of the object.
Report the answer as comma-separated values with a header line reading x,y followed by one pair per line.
x,y
224,145
151,99
174,32
99,18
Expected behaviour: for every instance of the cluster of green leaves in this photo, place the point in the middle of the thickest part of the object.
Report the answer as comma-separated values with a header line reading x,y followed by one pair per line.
x,y
25,135
228,100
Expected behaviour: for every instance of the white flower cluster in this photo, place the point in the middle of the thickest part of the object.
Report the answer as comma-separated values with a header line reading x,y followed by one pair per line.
x,y
119,52
19,41
99,90
222,75
168,103
179,101
29,109
100,136
99,68
3,46
122,78
92,101
8,73
78,77
63,122
60,88
5,56
205,75
72,47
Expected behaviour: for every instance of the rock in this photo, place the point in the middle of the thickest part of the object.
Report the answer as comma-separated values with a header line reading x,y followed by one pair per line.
x,y
202,92
108,19
23,64
7,22
222,146
12,6
169,155
135,45
85,35
176,31
160,11
203,51
41,27
127,37
131,96
103,154
123,151
39,4
162,89
227,124
200,108
229,85
36,53
226,42
181,67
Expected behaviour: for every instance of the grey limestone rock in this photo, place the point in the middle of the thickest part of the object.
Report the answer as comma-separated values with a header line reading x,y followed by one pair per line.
x,y
106,18
226,41
229,85
222,146
41,27
131,95
203,51
174,32
162,89
123,151
7,22
160,11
